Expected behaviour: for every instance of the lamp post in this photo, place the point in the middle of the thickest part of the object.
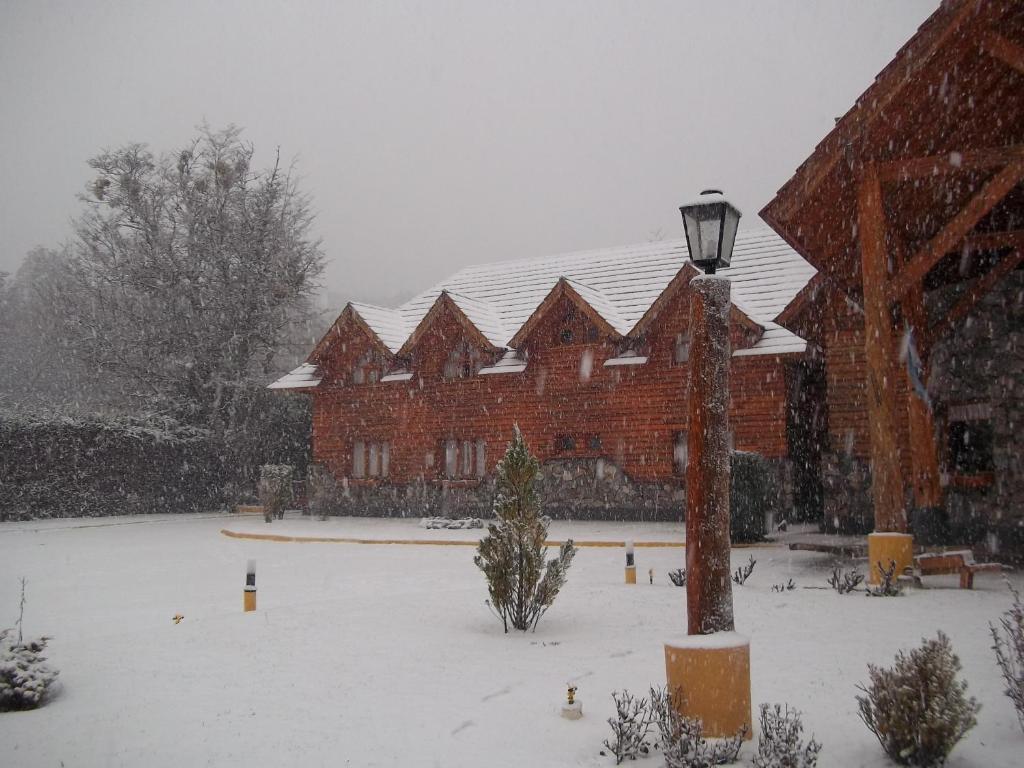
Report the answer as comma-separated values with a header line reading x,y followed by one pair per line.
x,y
712,664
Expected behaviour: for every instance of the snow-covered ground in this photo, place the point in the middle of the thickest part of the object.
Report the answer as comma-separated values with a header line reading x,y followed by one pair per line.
x,y
385,655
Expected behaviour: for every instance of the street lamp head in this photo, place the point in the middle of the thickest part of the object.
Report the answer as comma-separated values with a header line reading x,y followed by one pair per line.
x,y
710,224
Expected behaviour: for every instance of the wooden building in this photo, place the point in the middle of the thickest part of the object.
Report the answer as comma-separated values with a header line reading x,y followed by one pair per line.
x,y
912,210
587,352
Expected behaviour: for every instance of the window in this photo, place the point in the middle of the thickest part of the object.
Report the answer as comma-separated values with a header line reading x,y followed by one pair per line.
x,y
970,447
358,459
371,459
463,362
565,337
565,443
481,458
680,452
451,458
371,376
681,349
465,458
592,334
359,375
374,469
594,443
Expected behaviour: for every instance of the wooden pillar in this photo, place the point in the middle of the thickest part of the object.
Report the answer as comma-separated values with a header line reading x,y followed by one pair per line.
x,y
886,483
708,588
924,457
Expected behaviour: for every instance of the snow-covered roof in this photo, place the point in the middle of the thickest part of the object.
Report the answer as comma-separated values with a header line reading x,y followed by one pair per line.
x,y
629,357
389,324
484,316
622,283
509,363
306,375
619,284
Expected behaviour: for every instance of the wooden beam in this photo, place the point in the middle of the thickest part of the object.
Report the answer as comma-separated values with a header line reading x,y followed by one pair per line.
x,y
886,478
1004,50
949,162
974,294
957,228
991,241
924,454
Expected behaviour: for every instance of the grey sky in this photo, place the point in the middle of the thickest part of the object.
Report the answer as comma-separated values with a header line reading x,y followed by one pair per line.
x,y
432,135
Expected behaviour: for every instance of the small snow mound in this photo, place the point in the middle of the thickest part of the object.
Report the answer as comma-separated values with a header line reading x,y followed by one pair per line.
x,y
444,522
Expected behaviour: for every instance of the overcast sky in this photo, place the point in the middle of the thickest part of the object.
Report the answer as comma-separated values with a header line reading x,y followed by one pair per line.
x,y
432,135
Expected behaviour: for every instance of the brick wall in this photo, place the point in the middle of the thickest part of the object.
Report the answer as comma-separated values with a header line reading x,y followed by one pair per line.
x,y
626,416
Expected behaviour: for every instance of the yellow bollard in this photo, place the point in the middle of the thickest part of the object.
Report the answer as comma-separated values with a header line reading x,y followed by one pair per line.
x,y
249,594
886,548
717,669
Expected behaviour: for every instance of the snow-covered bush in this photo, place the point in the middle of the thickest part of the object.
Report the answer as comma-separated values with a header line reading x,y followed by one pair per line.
x,y
741,574
630,726
918,710
522,587
678,577
888,585
460,524
781,745
324,491
24,674
682,739
275,489
1009,647
845,582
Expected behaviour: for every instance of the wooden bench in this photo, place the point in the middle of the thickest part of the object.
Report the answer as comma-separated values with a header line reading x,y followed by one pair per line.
x,y
959,561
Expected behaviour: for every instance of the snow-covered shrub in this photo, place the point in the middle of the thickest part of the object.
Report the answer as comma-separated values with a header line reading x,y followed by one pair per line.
x,y
889,585
630,726
787,586
522,587
918,710
24,674
753,492
682,739
845,582
324,491
781,745
275,489
678,577
1009,647
741,574
460,524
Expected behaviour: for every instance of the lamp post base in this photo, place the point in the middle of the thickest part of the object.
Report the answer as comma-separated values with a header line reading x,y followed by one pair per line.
x,y
712,672
885,547
631,574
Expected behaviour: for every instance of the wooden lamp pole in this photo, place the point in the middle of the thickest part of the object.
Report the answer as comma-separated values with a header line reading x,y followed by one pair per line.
x,y
710,667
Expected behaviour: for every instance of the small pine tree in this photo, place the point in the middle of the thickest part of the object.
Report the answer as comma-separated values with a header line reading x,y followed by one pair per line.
x,y
522,587
918,710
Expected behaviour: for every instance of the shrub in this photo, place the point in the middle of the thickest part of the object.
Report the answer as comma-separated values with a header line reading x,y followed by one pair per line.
x,y
753,492
323,491
741,574
511,555
781,745
1009,649
24,675
918,710
275,489
630,726
678,577
888,586
845,582
682,739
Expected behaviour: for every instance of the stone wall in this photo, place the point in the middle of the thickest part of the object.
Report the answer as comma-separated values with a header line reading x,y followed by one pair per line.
x,y
577,489
982,361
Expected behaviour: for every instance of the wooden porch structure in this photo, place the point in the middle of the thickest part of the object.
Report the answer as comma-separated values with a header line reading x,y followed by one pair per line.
x,y
917,186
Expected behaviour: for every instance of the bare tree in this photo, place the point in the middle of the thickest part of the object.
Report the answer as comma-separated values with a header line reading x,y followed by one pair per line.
x,y
188,272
